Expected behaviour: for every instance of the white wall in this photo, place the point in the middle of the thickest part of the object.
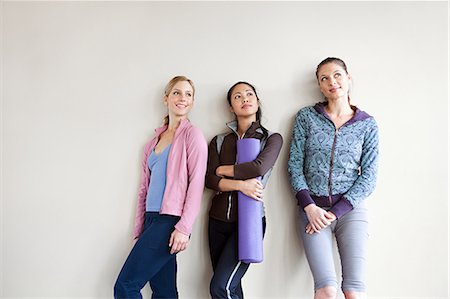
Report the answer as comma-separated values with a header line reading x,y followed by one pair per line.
x,y
81,94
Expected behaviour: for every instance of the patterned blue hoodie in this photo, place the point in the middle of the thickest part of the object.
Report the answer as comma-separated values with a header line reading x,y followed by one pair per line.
x,y
335,169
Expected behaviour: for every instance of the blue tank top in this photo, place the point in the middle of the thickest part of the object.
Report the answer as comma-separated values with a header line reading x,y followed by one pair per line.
x,y
157,163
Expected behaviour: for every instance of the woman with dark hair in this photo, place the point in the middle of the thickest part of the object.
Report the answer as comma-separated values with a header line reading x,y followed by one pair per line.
x,y
227,178
333,167
170,192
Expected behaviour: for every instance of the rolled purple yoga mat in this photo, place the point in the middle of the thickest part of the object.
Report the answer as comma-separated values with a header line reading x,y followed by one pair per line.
x,y
250,211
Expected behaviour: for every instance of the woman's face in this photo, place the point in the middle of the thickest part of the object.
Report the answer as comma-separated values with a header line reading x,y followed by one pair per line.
x,y
180,99
334,82
244,102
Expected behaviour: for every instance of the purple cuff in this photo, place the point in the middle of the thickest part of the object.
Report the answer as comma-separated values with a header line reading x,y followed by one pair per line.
x,y
304,198
342,207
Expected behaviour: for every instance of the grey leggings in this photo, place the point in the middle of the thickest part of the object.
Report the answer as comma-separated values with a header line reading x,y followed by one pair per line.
x,y
351,232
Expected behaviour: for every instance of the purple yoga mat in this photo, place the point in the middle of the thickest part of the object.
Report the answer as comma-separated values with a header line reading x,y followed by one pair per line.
x,y
250,231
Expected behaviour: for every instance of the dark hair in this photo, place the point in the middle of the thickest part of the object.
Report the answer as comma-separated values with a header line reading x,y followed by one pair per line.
x,y
230,91
334,60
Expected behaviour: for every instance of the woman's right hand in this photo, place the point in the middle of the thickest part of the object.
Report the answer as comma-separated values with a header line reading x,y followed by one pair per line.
x,y
318,218
252,188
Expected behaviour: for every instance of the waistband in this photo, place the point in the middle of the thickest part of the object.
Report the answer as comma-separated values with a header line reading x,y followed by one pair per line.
x,y
157,214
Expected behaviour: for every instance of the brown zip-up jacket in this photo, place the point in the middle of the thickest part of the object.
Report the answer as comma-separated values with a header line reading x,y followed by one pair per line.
x,y
224,204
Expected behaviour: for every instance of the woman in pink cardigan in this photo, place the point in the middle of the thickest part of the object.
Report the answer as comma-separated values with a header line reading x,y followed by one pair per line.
x,y
171,187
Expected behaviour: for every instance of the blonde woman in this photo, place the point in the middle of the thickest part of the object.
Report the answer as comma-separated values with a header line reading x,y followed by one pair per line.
x,y
171,187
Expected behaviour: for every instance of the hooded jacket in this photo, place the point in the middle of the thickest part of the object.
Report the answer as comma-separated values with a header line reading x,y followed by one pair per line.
x,y
333,168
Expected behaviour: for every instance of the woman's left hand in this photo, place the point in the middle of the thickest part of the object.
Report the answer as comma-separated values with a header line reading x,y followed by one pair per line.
x,y
178,241
329,215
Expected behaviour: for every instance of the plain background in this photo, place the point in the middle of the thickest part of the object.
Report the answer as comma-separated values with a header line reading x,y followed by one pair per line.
x,y
82,86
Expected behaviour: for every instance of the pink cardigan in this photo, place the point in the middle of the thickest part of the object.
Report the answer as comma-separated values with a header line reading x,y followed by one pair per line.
x,y
186,168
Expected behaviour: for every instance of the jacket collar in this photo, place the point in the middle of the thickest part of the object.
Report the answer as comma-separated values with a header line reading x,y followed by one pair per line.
x,y
254,127
358,116
183,124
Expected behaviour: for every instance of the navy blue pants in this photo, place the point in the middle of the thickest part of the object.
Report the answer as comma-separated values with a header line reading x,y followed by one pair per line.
x,y
228,270
150,261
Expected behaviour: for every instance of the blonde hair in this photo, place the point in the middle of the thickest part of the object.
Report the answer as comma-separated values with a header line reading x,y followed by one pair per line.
x,y
170,86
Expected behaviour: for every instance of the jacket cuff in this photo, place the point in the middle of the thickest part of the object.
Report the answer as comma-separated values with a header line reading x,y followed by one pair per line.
x,y
342,207
212,182
304,198
183,229
237,172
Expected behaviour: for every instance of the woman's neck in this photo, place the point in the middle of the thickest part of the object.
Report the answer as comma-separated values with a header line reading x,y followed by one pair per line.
x,y
339,107
243,124
174,123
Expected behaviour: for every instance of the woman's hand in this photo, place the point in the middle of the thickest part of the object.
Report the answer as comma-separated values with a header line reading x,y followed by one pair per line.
x,y
252,188
318,218
178,241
